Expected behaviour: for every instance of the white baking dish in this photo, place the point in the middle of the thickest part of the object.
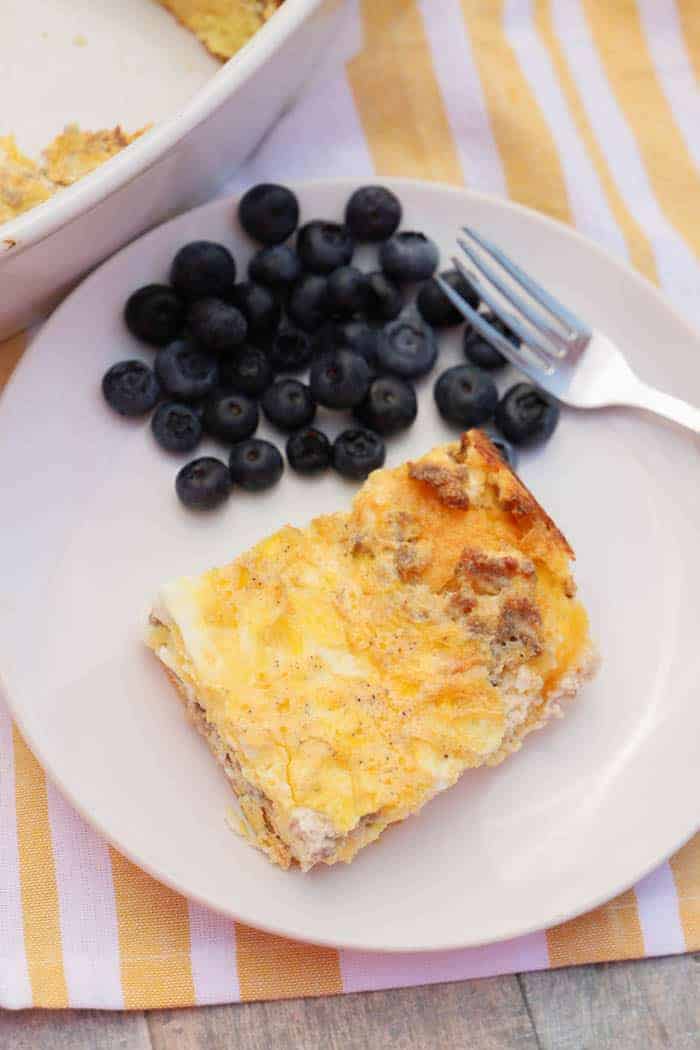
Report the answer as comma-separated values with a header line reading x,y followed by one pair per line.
x,y
128,62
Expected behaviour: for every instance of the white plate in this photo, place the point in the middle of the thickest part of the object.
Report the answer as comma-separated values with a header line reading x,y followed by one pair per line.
x,y
91,527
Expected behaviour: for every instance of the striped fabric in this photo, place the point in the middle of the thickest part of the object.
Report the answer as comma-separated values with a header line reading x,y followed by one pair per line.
x,y
587,110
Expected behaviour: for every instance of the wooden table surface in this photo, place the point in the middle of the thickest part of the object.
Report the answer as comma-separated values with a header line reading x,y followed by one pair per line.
x,y
617,1006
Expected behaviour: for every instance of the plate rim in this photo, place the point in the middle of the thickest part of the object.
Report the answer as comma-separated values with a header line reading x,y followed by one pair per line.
x,y
460,942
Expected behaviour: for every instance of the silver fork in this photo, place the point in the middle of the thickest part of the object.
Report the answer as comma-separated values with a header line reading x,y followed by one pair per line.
x,y
577,365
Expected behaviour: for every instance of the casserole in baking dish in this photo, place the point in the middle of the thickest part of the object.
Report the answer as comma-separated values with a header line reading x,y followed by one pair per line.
x,y
126,64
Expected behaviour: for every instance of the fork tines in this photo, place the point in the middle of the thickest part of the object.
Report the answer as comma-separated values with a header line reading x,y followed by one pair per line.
x,y
543,345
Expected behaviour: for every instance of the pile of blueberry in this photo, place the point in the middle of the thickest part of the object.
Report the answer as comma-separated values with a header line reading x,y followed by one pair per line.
x,y
226,351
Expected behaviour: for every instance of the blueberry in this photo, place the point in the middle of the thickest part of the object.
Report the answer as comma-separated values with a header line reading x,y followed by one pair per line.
x,y
357,452
339,379
434,306
276,267
359,337
291,349
409,256
390,405
255,464
216,326
346,292
203,484
202,269
384,298
247,370
465,396
259,307
407,347
309,451
176,427
324,246
526,415
154,314
230,416
269,213
373,213
481,353
185,371
288,404
353,335
308,302
504,448
130,388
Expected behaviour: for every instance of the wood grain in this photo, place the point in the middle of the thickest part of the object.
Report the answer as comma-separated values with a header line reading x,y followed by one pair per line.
x,y
487,1014
73,1030
653,1004
649,1004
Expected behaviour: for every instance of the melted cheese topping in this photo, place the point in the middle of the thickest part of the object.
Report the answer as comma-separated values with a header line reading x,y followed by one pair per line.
x,y
354,666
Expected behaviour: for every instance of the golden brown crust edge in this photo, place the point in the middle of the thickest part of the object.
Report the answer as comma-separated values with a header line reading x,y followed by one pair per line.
x,y
514,496
447,470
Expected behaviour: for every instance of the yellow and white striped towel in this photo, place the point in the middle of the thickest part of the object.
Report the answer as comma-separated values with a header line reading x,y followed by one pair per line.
x,y
588,110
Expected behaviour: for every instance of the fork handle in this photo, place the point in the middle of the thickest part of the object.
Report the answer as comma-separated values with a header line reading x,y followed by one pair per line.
x,y
665,405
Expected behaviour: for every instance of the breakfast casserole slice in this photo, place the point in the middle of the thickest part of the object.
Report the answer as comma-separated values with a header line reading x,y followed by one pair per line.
x,y
345,673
